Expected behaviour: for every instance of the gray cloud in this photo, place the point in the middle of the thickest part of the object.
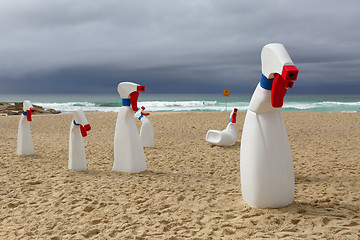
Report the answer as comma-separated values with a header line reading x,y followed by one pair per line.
x,y
173,46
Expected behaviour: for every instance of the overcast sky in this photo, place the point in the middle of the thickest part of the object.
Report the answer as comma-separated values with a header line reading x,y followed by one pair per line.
x,y
182,46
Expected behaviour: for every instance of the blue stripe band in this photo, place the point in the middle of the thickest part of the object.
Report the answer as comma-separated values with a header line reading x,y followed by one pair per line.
x,y
141,117
77,124
266,83
126,101
24,113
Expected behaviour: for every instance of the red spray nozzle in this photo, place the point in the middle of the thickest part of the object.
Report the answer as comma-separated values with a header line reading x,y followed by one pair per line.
x,y
290,73
87,127
141,88
281,83
142,113
84,129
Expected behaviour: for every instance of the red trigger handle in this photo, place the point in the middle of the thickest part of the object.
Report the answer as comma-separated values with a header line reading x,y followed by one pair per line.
x,y
281,83
133,100
83,131
233,117
134,97
28,114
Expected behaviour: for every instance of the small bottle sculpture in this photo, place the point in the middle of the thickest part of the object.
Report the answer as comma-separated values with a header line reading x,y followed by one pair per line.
x,y
146,130
225,137
78,130
25,144
266,166
128,150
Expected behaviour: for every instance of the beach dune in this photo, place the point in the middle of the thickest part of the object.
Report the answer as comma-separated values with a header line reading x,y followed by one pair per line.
x,y
190,190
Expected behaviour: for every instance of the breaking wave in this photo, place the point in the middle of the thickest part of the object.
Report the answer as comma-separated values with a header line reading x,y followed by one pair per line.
x,y
176,106
151,106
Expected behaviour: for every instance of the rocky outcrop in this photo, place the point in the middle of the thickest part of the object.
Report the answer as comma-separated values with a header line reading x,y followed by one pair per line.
x,y
16,108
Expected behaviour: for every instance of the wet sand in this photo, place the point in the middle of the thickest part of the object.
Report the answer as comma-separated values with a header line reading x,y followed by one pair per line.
x,y
191,189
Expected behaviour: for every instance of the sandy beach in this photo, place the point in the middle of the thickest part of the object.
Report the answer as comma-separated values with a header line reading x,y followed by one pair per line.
x,y
190,190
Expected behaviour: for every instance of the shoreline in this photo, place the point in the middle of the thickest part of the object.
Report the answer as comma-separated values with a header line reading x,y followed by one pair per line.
x,y
194,102
170,112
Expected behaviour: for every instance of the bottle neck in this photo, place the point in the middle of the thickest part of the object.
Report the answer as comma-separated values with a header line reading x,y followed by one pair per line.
x,y
265,82
76,124
126,102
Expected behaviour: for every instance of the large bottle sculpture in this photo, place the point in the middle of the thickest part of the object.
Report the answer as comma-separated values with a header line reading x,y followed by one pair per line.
x,y
266,167
227,137
25,144
146,130
78,130
128,150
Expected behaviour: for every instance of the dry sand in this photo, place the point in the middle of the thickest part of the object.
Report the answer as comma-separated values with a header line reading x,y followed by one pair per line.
x,y
191,189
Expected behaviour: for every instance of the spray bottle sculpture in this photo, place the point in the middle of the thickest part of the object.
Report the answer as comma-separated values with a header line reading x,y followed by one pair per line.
x,y
225,137
25,144
78,130
266,167
146,130
128,150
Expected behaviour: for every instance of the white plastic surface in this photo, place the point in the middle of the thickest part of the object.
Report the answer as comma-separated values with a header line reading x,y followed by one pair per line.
x,y
126,88
266,166
146,130
77,157
128,150
261,101
225,138
147,133
25,144
129,153
273,57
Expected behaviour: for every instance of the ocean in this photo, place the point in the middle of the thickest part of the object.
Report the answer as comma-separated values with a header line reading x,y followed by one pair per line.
x,y
185,102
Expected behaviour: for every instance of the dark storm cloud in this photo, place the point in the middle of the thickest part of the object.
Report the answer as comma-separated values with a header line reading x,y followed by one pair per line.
x,y
174,46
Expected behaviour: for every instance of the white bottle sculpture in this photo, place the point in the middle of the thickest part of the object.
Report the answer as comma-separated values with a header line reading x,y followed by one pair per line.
x,y
78,130
266,166
25,144
225,137
128,150
146,130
